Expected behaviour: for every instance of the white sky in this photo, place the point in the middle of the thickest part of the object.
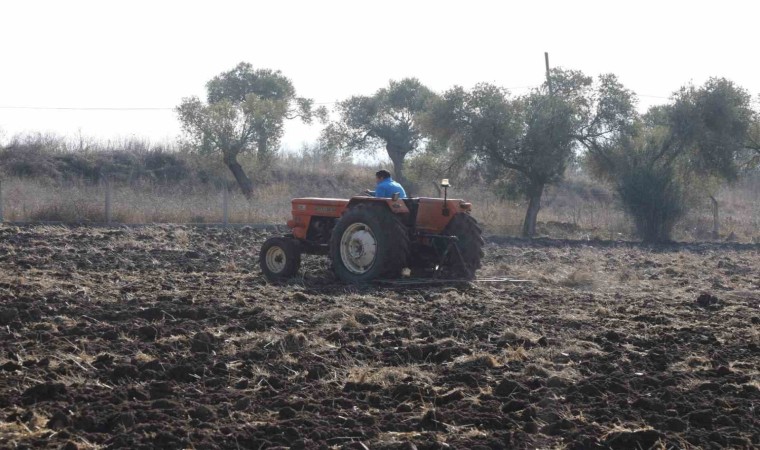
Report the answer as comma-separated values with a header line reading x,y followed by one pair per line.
x,y
151,54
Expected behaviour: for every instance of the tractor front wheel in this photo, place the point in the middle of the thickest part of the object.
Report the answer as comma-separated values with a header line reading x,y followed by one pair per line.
x,y
368,242
280,258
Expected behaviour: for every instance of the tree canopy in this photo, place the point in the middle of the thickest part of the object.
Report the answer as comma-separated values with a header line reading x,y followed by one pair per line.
x,y
389,119
672,149
524,143
752,158
245,111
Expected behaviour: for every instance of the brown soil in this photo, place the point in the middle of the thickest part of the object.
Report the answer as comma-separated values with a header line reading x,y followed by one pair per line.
x,y
169,337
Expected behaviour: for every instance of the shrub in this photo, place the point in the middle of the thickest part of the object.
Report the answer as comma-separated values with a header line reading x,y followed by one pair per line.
x,y
165,167
654,199
29,157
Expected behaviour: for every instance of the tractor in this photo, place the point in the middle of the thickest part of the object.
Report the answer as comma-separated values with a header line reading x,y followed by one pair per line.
x,y
368,238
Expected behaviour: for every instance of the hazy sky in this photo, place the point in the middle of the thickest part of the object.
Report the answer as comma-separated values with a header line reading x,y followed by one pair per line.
x,y
151,54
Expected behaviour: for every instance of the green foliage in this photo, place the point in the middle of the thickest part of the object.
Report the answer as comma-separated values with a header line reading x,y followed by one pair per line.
x,y
389,118
655,200
252,125
236,84
245,112
750,157
533,135
681,147
426,169
521,143
609,118
711,123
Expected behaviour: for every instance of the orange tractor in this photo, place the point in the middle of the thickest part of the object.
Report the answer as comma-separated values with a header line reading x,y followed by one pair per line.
x,y
368,238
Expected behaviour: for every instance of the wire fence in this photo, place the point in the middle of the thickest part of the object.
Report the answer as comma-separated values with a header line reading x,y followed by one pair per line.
x,y
566,212
98,209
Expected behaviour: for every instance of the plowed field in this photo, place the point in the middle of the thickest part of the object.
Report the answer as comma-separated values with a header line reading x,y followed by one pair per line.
x,y
169,337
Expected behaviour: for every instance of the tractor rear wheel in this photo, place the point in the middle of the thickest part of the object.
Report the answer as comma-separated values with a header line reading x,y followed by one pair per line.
x,y
369,242
280,258
470,243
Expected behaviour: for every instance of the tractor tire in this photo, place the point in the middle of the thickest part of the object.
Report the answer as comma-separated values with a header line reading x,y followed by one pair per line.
x,y
280,258
470,244
369,242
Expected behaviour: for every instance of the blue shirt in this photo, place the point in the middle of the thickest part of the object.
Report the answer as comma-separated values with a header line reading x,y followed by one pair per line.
x,y
387,187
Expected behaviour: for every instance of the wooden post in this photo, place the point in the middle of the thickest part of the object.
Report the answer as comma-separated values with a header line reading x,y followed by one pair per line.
x,y
108,200
716,221
548,74
1,201
226,206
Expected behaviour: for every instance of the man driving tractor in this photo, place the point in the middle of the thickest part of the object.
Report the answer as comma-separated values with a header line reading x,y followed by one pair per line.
x,y
379,235
386,187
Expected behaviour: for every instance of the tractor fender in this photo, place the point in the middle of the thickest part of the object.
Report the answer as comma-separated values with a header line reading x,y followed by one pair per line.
x,y
395,206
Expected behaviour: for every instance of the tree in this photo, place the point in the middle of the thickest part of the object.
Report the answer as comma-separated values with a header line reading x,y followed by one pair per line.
x,y
437,162
752,158
673,151
245,111
389,118
527,136
608,117
524,143
711,123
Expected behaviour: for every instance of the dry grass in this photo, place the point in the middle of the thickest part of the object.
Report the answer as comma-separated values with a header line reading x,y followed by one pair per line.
x,y
332,316
515,354
579,278
350,324
293,342
480,360
28,200
578,208
387,376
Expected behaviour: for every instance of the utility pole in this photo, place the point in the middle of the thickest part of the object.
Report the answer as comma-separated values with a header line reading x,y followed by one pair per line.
x,y
548,76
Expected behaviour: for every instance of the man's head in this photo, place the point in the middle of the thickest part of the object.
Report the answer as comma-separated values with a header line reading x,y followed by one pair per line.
x,y
382,174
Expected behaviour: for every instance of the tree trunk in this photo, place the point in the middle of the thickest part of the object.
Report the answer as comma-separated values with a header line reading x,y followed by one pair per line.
x,y
397,155
263,157
716,221
242,179
437,185
534,205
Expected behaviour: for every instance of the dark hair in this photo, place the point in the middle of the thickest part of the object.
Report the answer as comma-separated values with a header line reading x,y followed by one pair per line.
x,y
382,173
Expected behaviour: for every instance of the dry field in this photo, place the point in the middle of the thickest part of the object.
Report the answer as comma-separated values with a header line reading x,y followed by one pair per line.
x,y
168,336
578,208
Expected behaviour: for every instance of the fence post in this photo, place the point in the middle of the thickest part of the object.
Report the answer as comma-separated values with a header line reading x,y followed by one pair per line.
x,y
108,200
226,206
1,201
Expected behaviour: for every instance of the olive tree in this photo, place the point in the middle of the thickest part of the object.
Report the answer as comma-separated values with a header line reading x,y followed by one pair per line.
x,y
244,112
389,118
753,139
674,151
523,143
